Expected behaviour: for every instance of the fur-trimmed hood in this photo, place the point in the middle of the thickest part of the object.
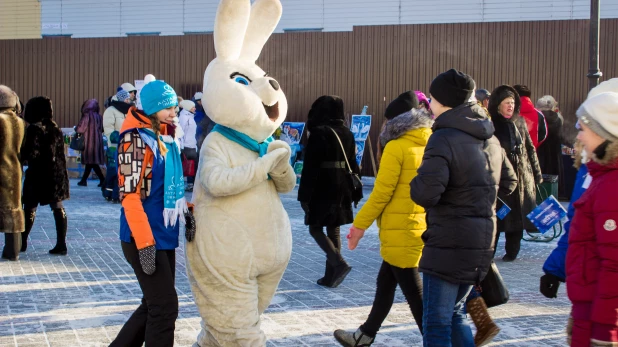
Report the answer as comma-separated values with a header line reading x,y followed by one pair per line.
x,y
499,94
400,125
610,158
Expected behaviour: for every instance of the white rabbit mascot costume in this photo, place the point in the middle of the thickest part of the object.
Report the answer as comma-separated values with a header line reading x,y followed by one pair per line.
x,y
243,241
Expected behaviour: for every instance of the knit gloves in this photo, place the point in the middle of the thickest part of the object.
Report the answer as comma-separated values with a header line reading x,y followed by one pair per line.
x,y
147,258
549,286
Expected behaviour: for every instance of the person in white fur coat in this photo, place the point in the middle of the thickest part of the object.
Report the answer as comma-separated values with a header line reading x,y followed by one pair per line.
x,y
243,241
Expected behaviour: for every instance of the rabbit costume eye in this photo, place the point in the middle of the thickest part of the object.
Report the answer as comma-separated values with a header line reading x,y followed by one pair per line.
x,y
240,78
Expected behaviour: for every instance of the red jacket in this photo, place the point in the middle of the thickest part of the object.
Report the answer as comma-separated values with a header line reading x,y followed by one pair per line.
x,y
535,120
592,256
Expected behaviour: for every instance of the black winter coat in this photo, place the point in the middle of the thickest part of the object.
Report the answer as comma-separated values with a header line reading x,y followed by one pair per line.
x,y
515,139
550,151
463,168
324,183
46,180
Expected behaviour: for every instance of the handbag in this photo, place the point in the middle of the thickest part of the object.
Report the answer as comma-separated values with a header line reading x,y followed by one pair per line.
x,y
188,167
354,181
494,291
77,142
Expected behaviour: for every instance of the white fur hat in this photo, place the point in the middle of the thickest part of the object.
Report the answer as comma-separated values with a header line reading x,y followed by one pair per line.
x,y
600,114
8,98
198,96
187,105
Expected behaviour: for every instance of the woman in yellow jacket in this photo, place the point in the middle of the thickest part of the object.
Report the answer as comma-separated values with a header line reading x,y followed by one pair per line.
x,y
400,220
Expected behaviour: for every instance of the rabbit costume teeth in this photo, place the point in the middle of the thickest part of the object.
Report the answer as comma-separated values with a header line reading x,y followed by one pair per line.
x,y
243,240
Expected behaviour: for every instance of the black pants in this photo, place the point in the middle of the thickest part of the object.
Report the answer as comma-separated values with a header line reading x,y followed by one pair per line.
x,y
389,277
513,242
97,170
330,244
111,190
154,320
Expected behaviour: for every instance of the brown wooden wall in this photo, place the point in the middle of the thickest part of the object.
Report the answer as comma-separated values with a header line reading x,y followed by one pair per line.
x,y
368,66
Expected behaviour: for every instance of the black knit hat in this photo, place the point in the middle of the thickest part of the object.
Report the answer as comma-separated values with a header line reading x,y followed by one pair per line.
x,y
452,88
402,104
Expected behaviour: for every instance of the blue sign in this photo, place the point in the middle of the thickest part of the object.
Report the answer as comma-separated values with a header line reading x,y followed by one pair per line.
x,y
292,132
547,214
360,149
503,211
360,127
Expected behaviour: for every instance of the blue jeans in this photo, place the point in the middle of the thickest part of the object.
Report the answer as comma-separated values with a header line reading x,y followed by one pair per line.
x,y
444,321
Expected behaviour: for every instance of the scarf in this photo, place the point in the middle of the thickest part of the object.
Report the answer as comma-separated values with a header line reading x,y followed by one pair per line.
x,y
243,139
174,202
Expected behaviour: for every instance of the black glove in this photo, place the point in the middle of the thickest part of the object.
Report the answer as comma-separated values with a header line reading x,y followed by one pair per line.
x,y
189,226
305,207
549,286
147,258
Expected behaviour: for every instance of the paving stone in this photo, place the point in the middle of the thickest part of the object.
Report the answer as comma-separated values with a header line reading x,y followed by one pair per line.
x,y
83,299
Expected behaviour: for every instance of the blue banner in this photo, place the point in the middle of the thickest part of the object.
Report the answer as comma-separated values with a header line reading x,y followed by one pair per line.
x,y
547,214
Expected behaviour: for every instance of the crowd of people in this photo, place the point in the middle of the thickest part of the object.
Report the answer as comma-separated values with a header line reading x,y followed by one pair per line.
x,y
447,162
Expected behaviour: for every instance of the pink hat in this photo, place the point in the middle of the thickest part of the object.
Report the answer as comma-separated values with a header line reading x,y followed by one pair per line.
x,y
422,99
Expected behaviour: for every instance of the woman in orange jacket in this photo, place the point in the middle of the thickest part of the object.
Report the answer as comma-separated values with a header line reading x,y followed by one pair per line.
x,y
152,194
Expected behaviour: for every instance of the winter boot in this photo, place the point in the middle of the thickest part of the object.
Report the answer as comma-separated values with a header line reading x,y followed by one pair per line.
x,y
327,280
486,329
339,274
60,217
355,339
12,245
29,216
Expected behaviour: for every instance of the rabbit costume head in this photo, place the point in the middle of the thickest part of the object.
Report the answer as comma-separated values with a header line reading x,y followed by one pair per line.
x,y
237,93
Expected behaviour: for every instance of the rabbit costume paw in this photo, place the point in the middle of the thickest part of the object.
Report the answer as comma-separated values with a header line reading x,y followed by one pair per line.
x,y
243,239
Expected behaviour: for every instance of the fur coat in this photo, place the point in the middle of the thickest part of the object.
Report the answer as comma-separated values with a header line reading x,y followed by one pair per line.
x,y
324,187
11,137
515,139
91,127
46,180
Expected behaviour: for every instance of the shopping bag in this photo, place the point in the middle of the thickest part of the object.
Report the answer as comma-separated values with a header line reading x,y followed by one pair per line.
x,y
494,290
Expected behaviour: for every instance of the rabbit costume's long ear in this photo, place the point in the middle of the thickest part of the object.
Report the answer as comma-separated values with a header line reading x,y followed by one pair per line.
x,y
265,15
230,27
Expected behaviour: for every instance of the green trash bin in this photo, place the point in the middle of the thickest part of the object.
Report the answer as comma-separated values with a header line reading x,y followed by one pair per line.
x,y
547,188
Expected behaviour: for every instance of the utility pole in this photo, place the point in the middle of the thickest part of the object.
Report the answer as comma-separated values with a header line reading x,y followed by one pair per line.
x,y
593,72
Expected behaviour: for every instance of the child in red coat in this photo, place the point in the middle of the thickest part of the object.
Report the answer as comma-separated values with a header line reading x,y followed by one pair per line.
x,y
592,256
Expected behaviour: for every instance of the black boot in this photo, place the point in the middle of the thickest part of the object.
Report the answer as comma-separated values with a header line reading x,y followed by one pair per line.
x,y
333,256
29,216
327,280
60,217
82,183
12,245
